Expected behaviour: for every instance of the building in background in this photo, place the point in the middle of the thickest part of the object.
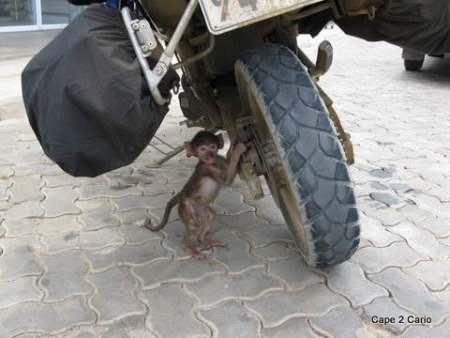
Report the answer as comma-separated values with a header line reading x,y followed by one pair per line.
x,y
25,15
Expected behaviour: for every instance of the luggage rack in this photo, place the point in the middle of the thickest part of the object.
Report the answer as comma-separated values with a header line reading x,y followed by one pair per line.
x,y
144,42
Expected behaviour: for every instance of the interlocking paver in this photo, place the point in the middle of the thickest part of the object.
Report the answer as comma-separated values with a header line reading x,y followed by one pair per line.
x,y
136,234
360,177
174,233
276,307
156,176
445,241
382,173
427,332
443,295
4,194
24,210
230,202
94,191
236,255
293,328
99,180
441,193
18,258
83,240
59,201
57,225
114,297
387,216
156,215
267,209
134,216
411,294
162,311
127,179
267,234
123,171
23,289
37,165
20,227
6,172
126,255
340,322
295,273
385,198
175,175
246,285
439,226
422,241
155,188
101,217
243,221
385,307
5,206
414,213
274,251
400,187
433,175
44,317
53,181
376,259
348,280
435,274
63,241
375,233
64,276
92,204
378,186
166,271
131,202
432,205
232,320
126,327
26,188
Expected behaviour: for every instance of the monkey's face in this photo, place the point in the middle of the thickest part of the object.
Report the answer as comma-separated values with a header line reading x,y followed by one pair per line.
x,y
207,153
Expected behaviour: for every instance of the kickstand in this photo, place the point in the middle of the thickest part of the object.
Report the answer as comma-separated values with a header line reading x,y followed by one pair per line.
x,y
167,157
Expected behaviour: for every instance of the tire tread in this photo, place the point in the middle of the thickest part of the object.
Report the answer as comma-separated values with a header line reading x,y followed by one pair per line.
x,y
284,85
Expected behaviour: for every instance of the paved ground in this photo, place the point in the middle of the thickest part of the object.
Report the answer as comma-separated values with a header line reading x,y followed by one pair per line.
x,y
75,263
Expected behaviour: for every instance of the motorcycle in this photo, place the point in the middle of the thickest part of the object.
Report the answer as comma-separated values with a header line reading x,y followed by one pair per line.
x,y
243,72
96,95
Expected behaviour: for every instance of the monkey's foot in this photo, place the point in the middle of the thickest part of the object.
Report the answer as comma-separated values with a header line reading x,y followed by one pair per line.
x,y
197,255
213,244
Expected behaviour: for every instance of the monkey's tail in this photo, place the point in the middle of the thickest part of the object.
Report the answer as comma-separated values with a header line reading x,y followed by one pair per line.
x,y
169,206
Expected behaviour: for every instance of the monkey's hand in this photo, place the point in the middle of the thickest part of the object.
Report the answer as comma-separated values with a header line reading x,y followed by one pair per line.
x,y
239,148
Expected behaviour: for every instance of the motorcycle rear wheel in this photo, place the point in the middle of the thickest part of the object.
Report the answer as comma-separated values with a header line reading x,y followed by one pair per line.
x,y
306,170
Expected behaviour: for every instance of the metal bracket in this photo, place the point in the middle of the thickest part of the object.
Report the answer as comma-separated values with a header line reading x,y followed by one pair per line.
x,y
154,76
324,59
247,173
145,36
245,121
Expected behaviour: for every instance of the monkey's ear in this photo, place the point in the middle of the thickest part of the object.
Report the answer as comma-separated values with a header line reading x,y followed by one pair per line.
x,y
221,141
189,149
